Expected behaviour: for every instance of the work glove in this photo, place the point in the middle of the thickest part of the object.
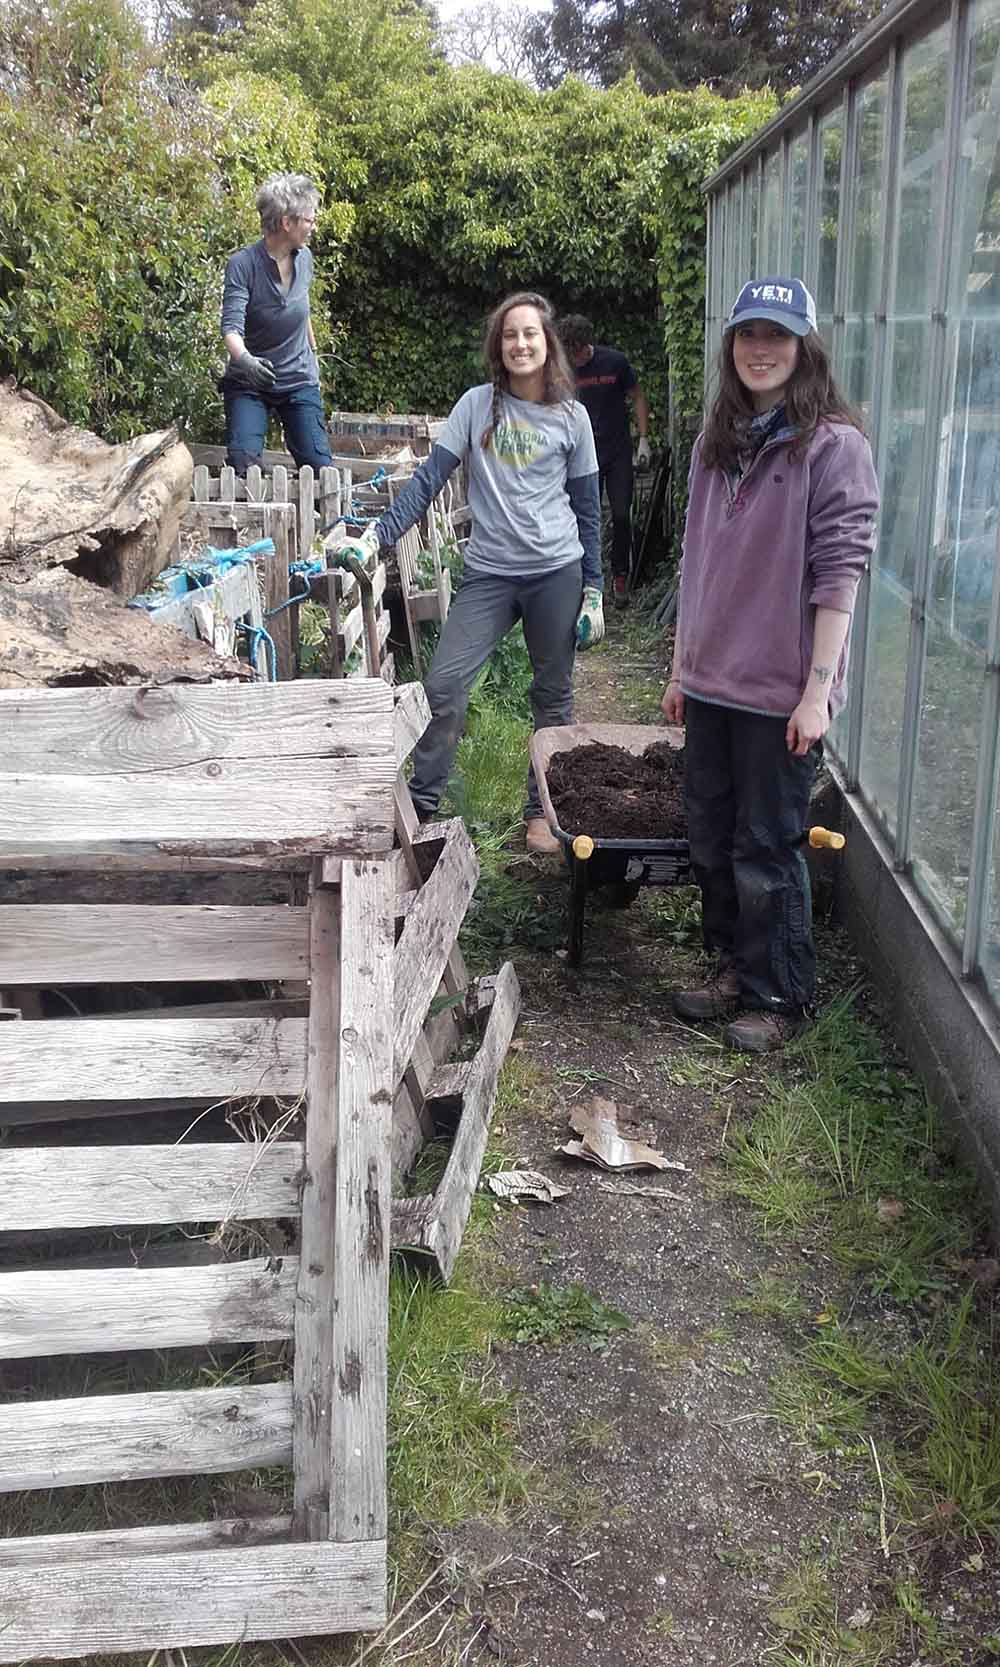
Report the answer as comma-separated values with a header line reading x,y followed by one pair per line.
x,y
590,619
642,454
259,373
361,545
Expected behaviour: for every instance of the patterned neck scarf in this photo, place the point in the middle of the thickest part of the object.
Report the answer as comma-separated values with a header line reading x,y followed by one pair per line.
x,y
760,428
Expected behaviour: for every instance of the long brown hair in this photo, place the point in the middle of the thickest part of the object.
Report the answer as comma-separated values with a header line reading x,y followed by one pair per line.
x,y
559,385
811,397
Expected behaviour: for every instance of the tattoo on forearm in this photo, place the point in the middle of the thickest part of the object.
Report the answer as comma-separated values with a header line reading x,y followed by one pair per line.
x,y
822,674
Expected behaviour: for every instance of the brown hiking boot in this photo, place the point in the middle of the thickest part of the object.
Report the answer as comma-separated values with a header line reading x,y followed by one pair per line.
x,y
761,1032
718,999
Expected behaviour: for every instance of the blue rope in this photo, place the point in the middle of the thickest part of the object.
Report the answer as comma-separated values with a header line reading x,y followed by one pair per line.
x,y
255,635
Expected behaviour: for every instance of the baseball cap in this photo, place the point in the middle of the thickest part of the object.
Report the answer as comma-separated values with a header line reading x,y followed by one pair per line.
x,y
784,301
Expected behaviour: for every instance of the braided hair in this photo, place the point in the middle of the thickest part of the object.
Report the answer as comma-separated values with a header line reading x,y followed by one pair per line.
x,y
559,385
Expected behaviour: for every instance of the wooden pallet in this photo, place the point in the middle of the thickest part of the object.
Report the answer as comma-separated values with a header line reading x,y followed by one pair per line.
x,y
306,770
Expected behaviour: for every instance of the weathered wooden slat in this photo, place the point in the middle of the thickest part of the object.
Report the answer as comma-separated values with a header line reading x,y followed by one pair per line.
x,y
449,1210
409,1222
65,1611
279,524
44,1313
234,593
103,731
79,943
140,1186
340,1365
313,1356
320,804
37,1550
125,1059
358,1508
264,1007
428,936
119,1438
411,715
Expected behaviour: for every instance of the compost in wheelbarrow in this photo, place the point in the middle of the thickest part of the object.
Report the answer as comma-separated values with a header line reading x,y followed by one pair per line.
x,y
594,858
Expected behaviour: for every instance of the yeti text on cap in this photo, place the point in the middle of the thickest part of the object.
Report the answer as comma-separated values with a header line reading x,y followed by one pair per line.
x,y
771,292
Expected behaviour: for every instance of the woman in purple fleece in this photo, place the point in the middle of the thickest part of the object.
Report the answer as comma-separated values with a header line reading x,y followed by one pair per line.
x,y
780,525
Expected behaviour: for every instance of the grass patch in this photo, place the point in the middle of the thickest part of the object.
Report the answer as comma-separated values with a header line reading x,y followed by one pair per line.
x,y
452,1427
932,1408
904,1390
849,1147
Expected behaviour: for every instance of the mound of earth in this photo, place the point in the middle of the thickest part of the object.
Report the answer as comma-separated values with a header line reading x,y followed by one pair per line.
x,y
614,794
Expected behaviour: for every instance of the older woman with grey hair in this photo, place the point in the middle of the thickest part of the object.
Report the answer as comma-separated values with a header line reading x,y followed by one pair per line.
x,y
268,331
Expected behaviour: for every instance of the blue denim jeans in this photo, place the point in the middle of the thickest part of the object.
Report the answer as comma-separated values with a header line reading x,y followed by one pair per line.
x,y
300,413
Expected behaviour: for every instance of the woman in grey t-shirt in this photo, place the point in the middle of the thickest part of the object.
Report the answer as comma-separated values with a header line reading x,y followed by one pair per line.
x,y
534,553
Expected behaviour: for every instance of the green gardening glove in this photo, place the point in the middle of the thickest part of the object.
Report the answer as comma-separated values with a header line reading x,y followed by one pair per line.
x,y
590,619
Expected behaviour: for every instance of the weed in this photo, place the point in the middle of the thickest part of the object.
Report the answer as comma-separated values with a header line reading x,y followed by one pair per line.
x,y
520,908
551,1314
772,1298
675,914
811,1633
592,1435
662,1624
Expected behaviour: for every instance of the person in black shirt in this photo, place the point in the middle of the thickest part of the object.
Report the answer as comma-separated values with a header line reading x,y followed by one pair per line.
x,y
606,384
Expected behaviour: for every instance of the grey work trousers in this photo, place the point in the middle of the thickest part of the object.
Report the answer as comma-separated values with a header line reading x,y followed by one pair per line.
x,y
484,610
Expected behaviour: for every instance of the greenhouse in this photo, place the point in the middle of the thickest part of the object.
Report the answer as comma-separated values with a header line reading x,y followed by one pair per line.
x,y
880,186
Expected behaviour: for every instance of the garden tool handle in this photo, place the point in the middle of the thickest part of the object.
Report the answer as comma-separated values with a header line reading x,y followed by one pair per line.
x,y
344,558
583,847
822,839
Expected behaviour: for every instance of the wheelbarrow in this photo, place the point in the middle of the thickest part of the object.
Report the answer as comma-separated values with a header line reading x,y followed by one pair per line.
x,y
626,865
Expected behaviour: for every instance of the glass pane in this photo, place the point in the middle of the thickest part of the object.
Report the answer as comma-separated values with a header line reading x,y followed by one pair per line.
x,y
903,440
770,238
967,513
864,269
925,80
752,178
857,369
732,245
925,94
831,144
798,179
885,684
892,572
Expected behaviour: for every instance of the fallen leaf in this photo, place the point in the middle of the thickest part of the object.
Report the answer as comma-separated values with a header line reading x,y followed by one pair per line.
x,y
602,1142
525,1183
517,1046
889,1210
861,1618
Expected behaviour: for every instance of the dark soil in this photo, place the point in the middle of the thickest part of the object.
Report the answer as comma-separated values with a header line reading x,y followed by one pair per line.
x,y
615,794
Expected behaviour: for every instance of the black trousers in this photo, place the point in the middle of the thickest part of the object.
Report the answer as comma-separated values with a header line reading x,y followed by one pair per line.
x,y
747,801
615,477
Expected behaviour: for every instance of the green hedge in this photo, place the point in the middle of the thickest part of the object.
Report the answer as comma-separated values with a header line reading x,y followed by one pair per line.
x,y
125,181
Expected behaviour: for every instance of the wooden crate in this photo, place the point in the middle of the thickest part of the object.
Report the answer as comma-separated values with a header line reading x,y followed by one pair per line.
x,y
172,775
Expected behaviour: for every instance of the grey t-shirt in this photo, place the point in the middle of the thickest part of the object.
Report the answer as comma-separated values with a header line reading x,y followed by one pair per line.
x,y
522,518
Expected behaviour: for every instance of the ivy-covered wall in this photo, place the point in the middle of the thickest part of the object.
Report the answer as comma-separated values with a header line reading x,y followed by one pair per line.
x,y
126,177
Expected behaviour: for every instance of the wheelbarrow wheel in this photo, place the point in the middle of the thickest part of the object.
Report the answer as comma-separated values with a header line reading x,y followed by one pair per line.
x,y
577,909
